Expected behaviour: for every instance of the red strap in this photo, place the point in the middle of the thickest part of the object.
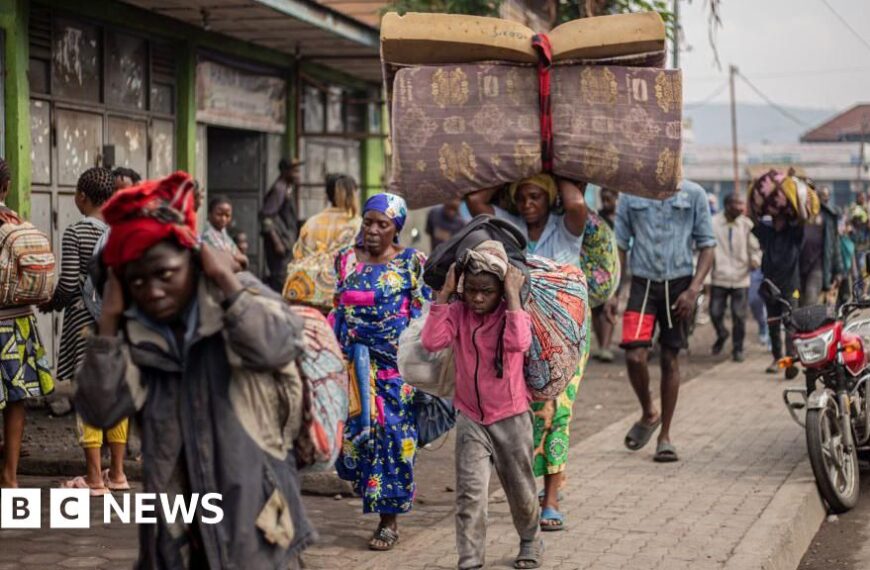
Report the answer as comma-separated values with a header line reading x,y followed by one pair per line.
x,y
541,44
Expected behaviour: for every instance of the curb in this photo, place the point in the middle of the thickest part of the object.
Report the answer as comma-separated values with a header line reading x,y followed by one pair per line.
x,y
781,536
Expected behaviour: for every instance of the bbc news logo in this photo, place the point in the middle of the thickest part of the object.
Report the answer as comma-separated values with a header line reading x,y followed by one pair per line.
x,y
71,508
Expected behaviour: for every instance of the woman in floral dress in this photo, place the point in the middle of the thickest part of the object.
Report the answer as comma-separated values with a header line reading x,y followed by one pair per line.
x,y
379,289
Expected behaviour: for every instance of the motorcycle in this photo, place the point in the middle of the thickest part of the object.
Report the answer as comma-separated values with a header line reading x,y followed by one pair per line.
x,y
832,347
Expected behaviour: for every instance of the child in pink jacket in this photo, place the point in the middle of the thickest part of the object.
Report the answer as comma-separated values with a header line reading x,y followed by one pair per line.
x,y
489,332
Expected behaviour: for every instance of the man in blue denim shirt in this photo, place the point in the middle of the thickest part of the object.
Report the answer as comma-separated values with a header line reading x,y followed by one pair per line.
x,y
661,236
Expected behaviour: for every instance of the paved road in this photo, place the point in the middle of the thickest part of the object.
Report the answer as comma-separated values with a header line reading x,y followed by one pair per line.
x,y
623,511
843,542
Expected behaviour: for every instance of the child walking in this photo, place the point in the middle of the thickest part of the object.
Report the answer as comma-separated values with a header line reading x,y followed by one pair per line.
x,y
94,187
489,332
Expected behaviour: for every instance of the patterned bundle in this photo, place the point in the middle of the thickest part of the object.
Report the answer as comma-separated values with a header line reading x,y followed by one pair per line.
x,y
311,280
783,194
557,305
324,376
599,260
460,128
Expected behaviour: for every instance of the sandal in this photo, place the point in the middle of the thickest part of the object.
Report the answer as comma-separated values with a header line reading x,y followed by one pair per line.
x,y
81,483
554,520
122,486
640,434
665,453
386,536
530,554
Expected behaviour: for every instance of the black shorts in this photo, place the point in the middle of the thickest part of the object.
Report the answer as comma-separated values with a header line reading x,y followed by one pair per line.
x,y
652,302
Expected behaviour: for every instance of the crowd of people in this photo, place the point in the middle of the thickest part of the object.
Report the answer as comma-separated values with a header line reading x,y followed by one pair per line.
x,y
168,325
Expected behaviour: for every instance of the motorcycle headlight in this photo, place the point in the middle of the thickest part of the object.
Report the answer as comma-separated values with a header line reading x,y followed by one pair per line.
x,y
814,350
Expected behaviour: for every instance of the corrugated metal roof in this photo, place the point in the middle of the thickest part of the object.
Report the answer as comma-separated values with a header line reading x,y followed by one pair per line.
x,y
846,126
316,32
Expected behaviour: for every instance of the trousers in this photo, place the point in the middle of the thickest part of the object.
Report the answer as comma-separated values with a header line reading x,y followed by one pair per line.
x,y
505,445
719,297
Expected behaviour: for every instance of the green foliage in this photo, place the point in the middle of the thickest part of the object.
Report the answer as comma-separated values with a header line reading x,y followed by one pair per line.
x,y
471,7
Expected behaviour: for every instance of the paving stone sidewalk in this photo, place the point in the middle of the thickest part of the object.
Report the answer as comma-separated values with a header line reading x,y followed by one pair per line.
x,y
738,448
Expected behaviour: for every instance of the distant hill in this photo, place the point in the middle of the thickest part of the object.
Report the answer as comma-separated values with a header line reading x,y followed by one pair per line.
x,y
711,124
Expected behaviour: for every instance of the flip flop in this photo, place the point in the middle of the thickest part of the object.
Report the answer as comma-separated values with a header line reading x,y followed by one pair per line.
x,y
665,453
530,554
123,486
554,517
385,535
640,433
80,483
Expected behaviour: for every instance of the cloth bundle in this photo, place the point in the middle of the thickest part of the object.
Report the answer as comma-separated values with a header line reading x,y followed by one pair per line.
x,y
599,260
311,280
558,306
778,194
325,395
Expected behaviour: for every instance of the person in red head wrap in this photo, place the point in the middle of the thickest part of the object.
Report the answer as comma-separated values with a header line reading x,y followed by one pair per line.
x,y
206,364
148,213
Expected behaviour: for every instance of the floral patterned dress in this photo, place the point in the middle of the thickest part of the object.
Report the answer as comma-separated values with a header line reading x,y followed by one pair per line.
x,y
374,304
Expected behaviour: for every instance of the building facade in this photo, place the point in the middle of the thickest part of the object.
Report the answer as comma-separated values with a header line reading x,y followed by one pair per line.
x,y
220,88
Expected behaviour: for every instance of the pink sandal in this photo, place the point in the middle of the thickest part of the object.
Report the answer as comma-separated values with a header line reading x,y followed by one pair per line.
x,y
122,486
81,483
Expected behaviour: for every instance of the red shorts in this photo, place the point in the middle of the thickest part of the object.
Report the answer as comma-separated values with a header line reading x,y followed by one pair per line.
x,y
651,302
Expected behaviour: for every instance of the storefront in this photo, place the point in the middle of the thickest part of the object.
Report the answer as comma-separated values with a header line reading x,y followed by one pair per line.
x,y
213,89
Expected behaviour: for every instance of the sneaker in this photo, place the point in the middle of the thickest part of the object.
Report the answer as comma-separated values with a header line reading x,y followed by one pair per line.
x,y
773,368
718,346
738,356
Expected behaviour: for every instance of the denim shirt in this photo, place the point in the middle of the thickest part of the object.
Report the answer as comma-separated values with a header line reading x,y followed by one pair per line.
x,y
661,233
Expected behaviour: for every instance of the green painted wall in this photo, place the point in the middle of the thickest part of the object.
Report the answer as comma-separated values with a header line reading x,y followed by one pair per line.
x,y
185,125
13,20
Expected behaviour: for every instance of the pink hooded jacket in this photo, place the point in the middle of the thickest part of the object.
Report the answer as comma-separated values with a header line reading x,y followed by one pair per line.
x,y
480,394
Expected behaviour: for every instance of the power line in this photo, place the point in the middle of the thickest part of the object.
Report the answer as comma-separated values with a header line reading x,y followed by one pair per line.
x,y
715,93
846,23
770,102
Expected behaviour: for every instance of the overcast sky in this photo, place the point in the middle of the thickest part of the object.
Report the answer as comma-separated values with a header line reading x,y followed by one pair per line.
x,y
795,51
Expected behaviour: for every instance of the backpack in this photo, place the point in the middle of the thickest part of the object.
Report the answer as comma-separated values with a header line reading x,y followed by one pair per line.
x,y
559,308
324,394
28,272
90,291
477,231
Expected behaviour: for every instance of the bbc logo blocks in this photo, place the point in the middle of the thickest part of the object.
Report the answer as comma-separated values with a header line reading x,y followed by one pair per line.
x,y
22,508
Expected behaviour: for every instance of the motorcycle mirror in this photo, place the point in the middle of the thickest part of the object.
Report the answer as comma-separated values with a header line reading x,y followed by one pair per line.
x,y
769,291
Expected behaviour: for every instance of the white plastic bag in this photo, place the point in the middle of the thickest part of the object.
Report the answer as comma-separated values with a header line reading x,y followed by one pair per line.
x,y
431,371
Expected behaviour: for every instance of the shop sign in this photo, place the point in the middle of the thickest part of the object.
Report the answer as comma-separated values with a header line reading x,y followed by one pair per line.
x,y
228,97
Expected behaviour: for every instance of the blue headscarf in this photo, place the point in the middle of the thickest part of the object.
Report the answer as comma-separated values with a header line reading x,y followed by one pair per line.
x,y
394,207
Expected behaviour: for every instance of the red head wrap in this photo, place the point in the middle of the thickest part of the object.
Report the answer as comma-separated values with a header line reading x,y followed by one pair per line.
x,y
142,216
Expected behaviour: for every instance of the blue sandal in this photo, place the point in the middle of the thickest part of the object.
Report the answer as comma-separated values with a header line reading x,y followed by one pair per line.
x,y
555,520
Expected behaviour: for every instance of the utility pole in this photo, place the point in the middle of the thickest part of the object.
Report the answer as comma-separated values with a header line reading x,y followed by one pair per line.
x,y
732,71
676,38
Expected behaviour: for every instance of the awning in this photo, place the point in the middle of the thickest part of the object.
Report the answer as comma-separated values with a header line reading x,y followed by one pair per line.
x,y
314,32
